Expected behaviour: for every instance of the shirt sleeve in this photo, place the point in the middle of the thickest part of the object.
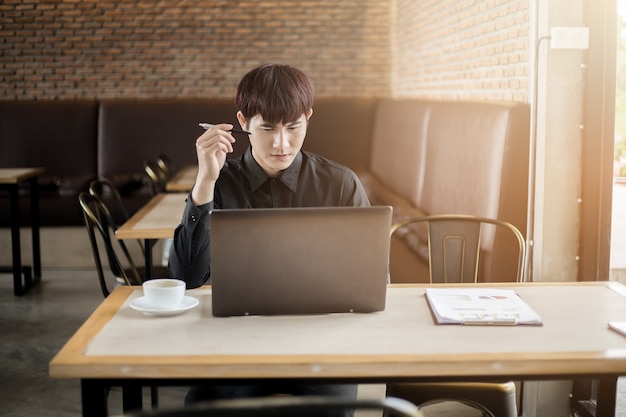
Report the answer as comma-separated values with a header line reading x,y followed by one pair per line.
x,y
357,194
190,258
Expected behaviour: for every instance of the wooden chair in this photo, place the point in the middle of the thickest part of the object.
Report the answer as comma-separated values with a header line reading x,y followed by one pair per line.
x,y
454,248
287,406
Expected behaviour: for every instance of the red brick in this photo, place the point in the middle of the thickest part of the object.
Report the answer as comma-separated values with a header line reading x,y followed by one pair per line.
x,y
186,48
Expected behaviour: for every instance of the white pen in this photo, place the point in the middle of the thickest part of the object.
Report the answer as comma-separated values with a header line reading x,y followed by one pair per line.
x,y
206,126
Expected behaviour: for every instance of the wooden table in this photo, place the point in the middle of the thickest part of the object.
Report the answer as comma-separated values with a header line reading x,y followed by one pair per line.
x,y
156,220
10,178
120,346
184,179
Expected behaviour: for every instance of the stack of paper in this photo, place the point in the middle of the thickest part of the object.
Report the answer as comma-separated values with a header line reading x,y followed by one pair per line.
x,y
483,306
618,326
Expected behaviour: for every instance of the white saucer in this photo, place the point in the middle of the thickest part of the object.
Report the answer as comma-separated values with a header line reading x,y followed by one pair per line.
x,y
140,304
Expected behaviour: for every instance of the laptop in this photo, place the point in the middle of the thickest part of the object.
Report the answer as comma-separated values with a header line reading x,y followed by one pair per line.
x,y
313,260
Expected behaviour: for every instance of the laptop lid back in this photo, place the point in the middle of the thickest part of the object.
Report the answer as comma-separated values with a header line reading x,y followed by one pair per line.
x,y
299,260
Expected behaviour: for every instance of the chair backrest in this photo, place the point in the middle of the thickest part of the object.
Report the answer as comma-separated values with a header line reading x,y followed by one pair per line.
x,y
287,406
99,223
167,165
157,176
454,245
104,190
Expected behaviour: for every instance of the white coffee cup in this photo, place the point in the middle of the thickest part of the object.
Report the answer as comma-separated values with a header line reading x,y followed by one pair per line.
x,y
164,293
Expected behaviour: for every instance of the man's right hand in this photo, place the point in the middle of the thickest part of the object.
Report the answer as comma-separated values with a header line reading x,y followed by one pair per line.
x,y
211,149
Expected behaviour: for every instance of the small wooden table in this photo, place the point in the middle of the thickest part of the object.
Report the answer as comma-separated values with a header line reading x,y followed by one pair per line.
x,y
122,347
156,220
10,178
184,179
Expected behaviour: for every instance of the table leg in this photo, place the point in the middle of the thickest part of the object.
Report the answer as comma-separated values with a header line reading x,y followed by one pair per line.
x,y
132,398
94,396
148,243
582,398
18,289
17,269
607,387
34,225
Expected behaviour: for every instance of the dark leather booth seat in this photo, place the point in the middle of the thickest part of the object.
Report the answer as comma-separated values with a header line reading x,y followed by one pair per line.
x,y
59,136
78,141
131,131
450,157
420,156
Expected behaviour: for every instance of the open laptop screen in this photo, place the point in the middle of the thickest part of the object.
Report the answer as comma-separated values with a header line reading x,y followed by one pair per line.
x,y
311,260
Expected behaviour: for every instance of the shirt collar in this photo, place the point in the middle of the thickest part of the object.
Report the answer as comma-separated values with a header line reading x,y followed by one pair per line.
x,y
258,176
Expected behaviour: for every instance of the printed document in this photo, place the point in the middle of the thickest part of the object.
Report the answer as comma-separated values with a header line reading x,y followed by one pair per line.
x,y
480,306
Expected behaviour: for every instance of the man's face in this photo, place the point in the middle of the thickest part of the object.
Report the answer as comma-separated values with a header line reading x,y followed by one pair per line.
x,y
274,147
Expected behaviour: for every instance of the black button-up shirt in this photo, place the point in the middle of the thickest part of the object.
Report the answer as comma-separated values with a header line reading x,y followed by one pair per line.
x,y
310,181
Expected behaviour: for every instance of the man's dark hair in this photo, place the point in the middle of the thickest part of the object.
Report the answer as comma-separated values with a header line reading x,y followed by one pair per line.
x,y
279,93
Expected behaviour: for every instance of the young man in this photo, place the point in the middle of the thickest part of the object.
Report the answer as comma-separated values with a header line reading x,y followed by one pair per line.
x,y
275,103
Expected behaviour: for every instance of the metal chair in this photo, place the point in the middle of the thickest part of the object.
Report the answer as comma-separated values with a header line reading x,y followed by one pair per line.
x,y
157,176
104,190
286,406
169,169
454,248
159,173
167,165
454,244
100,223
98,218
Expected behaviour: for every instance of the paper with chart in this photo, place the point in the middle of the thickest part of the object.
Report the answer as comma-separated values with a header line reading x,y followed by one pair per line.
x,y
480,306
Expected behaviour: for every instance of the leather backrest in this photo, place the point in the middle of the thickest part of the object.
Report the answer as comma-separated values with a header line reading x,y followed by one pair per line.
x,y
475,153
49,134
457,157
398,145
131,131
341,129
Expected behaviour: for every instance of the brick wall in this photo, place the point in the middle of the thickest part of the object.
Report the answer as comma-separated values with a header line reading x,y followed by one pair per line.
x,y
458,49
461,49
56,49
